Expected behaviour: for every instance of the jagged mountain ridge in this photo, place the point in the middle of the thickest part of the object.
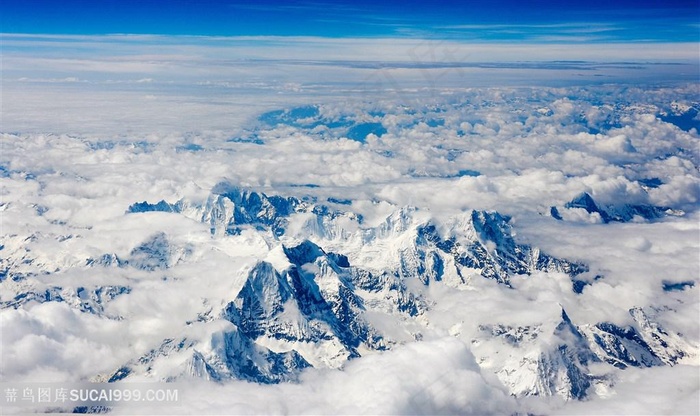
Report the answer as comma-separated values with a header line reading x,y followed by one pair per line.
x,y
425,256
229,207
546,360
304,304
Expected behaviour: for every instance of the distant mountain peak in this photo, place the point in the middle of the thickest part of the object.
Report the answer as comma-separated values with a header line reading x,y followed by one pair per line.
x,y
613,212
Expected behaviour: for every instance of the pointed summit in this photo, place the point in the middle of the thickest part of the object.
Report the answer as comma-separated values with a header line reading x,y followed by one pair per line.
x,y
583,200
306,252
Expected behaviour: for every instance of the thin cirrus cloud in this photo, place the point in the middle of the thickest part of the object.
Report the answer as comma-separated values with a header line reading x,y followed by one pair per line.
x,y
150,48
574,32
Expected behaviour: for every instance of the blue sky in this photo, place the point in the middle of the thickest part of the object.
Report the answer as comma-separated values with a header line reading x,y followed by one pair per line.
x,y
471,20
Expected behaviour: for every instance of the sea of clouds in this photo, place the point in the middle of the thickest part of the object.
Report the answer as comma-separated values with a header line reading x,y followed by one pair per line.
x,y
91,125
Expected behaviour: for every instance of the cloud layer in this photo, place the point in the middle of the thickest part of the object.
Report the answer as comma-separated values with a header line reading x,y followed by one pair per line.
x,y
131,119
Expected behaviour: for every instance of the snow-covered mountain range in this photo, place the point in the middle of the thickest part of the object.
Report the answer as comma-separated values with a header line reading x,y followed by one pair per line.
x,y
326,285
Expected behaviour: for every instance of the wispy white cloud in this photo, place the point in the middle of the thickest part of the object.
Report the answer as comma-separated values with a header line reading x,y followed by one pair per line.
x,y
570,32
378,49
